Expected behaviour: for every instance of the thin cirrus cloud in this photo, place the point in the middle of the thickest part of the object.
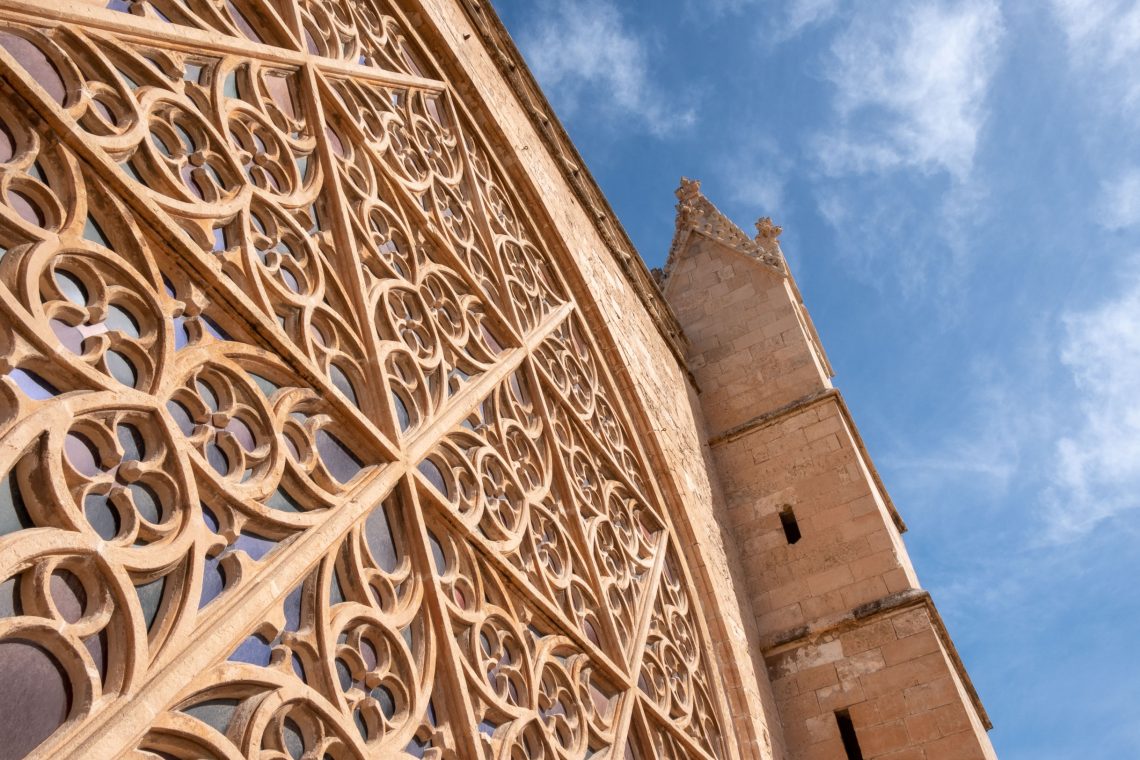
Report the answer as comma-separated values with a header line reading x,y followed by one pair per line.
x,y
1098,462
910,87
586,55
1119,203
1104,40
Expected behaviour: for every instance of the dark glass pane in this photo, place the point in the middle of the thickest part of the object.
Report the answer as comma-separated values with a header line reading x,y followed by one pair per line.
x,y
7,144
68,595
342,383
181,417
437,554
341,463
72,288
10,605
254,545
213,581
210,519
255,650
209,398
150,597
215,713
241,432
217,458
368,654
70,337
268,387
402,416
132,442
290,280
37,64
281,500
36,697
102,515
82,454
242,22
97,648
146,502
378,534
123,321
13,513
387,701
213,328
293,608
27,208
121,369
294,741
336,593
94,233
343,674
432,472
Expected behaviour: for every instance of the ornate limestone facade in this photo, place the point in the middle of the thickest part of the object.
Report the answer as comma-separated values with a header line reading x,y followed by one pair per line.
x,y
340,419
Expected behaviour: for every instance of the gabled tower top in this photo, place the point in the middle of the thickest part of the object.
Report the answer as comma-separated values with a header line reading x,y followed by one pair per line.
x,y
697,214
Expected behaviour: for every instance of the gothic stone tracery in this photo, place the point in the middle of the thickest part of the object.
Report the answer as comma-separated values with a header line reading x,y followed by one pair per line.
x,y
306,448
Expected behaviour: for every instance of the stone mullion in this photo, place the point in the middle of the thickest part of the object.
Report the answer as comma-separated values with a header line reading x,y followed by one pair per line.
x,y
652,719
662,506
634,694
479,221
669,544
576,526
667,503
348,263
227,622
460,710
655,718
600,449
190,257
521,209
473,393
442,245
712,665
293,23
515,577
189,39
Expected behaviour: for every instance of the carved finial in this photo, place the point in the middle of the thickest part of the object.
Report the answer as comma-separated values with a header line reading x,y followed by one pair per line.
x,y
689,189
766,231
697,215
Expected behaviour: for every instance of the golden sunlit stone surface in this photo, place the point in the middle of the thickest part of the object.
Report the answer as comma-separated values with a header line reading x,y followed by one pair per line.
x,y
339,419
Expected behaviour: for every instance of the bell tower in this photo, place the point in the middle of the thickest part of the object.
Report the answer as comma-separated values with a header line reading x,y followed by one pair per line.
x,y
859,659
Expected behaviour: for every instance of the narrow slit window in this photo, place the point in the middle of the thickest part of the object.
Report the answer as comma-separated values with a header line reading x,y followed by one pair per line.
x,y
791,527
847,733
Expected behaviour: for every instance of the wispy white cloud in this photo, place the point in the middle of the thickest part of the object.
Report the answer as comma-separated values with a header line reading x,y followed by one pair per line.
x,y
780,21
1104,42
1097,473
1119,203
911,83
801,14
755,175
586,56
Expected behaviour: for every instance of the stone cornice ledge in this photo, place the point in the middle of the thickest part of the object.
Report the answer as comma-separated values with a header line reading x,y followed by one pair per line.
x,y
800,404
507,57
796,637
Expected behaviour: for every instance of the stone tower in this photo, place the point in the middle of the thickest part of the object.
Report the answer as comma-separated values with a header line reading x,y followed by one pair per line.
x,y
856,651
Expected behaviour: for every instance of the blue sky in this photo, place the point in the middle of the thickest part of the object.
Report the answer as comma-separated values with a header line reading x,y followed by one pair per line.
x,y
959,184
